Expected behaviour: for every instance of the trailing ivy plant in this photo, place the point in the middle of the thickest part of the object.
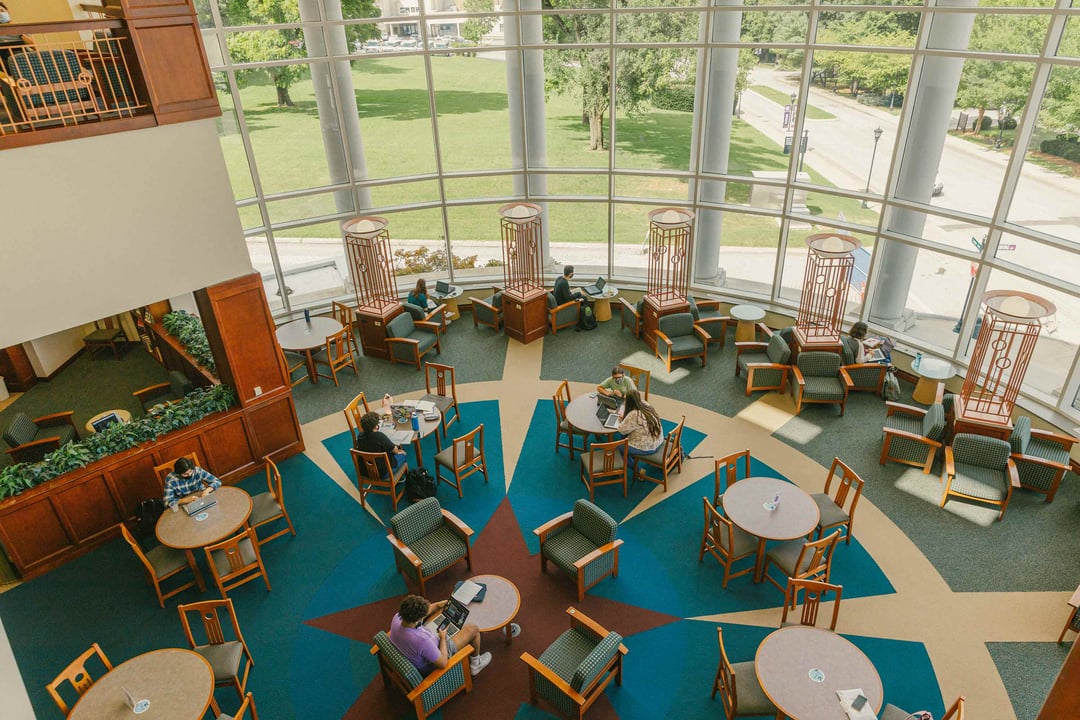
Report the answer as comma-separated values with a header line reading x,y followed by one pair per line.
x,y
116,438
189,330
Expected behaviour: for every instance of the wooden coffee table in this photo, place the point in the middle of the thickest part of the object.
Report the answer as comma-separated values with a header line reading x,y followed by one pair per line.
x,y
801,668
499,606
178,683
795,516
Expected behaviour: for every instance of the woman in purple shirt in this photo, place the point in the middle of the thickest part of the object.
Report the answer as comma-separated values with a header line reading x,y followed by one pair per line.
x,y
426,650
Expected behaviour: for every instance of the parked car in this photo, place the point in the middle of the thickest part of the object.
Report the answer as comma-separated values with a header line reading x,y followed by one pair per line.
x,y
939,187
440,45
409,43
372,46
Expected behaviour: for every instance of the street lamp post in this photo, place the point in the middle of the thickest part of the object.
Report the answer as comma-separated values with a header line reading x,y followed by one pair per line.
x,y
877,137
1001,121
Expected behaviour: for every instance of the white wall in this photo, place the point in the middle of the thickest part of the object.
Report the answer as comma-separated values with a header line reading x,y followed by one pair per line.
x,y
97,226
47,354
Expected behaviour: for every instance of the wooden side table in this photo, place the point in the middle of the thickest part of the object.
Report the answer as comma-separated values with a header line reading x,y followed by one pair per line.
x,y
602,303
932,372
500,605
748,317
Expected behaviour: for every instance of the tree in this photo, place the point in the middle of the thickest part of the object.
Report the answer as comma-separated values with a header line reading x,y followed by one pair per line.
x,y
747,61
477,27
285,43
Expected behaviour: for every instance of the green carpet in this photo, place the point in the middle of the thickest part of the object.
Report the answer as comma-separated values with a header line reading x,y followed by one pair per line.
x,y
1024,668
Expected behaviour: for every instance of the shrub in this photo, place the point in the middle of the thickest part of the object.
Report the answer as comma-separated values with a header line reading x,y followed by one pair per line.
x,y
1008,123
676,96
987,121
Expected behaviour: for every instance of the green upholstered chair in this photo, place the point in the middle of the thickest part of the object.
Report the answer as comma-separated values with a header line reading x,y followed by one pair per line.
x,y
582,544
678,338
979,468
436,315
32,440
912,435
166,392
956,712
630,315
428,540
562,316
427,694
574,670
409,340
818,380
866,377
1041,457
708,316
488,311
740,691
766,364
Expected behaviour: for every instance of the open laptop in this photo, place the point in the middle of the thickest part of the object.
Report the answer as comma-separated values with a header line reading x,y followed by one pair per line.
x,y
607,410
105,421
596,288
442,289
452,618
197,506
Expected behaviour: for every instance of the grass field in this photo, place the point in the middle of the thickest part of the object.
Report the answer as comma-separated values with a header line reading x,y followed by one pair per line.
x,y
780,98
473,135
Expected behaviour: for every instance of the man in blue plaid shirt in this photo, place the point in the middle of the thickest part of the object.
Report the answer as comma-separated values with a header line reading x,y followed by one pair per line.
x,y
188,482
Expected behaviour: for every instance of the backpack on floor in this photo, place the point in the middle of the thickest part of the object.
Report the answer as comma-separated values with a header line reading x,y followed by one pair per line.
x,y
419,484
890,389
147,513
587,318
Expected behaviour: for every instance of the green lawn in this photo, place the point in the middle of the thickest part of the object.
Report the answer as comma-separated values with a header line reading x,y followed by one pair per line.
x,y
780,98
471,107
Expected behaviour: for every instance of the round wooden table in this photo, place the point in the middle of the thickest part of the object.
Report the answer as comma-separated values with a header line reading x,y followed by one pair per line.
x,y
180,531
602,302
581,413
178,683
500,604
789,660
124,416
932,372
795,516
426,428
307,336
748,317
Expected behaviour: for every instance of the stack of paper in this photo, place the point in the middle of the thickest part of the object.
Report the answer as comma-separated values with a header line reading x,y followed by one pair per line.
x,y
425,406
400,437
466,592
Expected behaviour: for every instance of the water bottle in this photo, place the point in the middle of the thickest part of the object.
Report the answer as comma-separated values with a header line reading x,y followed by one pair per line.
x,y
416,421
918,361
776,500
307,316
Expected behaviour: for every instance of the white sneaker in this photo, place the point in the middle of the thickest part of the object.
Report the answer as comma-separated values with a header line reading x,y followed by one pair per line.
x,y
515,630
476,664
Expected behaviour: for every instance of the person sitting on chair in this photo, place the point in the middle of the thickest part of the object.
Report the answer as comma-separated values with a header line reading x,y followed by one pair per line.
x,y
426,650
618,384
418,296
561,290
858,334
641,424
188,482
372,440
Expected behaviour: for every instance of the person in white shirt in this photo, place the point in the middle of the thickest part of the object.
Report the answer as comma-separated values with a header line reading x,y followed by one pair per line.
x,y
641,424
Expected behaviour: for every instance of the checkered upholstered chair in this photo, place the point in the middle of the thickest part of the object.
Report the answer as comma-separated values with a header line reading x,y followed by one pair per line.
x,y
891,712
427,694
679,338
32,440
409,341
562,316
740,691
912,435
1073,623
428,540
1041,457
51,84
574,670
979,468
707,315
582,544
488,311
818,380
863,376
766,364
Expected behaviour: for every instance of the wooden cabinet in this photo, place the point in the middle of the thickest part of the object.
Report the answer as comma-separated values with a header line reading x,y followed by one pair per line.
x,y
373,329
16,369
653,310
525,318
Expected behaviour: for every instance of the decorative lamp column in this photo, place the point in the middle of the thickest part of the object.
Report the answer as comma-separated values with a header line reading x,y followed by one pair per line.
x,y
367,248
824,292
1011,324
671,245
524,296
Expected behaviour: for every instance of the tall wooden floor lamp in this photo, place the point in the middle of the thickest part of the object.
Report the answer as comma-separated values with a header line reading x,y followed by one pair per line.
x,y
524,296
367,244
671,245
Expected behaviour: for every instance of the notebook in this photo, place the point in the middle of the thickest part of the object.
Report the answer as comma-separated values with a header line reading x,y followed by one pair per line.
x,y
197,506
597,287
452,618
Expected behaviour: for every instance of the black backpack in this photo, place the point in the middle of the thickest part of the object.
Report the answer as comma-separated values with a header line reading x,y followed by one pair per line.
x,y
587,318
419,484
147,513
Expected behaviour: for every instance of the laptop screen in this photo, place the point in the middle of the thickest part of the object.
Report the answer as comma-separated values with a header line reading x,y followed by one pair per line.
x,y
455,612
442,287
608,401
105,421
600,283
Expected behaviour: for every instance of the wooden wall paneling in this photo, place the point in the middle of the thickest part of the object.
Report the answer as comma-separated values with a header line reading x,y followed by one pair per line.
x,y
1064,698
240,330
174,68
170,448
134,481
33,535
156,8
229,448
275,429
87,509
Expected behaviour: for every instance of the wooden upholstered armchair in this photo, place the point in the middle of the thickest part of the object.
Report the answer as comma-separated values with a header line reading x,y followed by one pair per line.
x,y
562,316
819,379
166,392
980,468
708,316
630,316
766,364
582,544
678,337
488,311
52,85
426,694
32,440
1041,457
912,435
409,340
867,377
428,540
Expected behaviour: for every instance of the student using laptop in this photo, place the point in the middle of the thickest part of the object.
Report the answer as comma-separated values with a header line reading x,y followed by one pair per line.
x,y
418,296
561,290
642,425
372,440
188,482
426,650
618,384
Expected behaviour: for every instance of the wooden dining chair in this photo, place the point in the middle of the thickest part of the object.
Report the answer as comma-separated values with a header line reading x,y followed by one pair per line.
x,y
802,559
740,691
725,542
372,476
667,459
838,509
347,317
163,562
561,399
442,392
356,409
162,471
463,458
77,674
291,368
605,464
235,561
269,506
814,593
228,655
727,473
640,377
339,355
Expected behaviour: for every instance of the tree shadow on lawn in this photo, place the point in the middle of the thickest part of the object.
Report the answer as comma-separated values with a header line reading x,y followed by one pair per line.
x,y
413,104
262,116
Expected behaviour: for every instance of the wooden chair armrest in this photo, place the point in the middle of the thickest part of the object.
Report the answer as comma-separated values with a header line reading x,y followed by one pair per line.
x,y
766,366
866,366
626,303
702,332
707,305
662,336
489,306
1037,461
744,345
1014,476
410,341
544,530
433,677
441,307
892,407
33,444
598,553
950,464
579,619
913,436
764,329
1065,440
553,311
404,550
798,375
151,390
549,675
845,378
455,522
430,325
60,418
